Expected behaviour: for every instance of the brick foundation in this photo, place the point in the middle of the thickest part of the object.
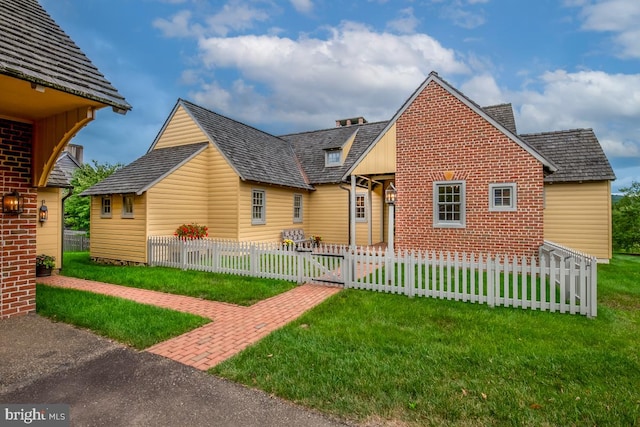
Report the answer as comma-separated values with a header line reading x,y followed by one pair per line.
x,y
18,232
438,133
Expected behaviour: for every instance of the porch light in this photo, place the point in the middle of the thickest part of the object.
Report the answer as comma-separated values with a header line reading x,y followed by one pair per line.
x,y
13,203
43,213
390,194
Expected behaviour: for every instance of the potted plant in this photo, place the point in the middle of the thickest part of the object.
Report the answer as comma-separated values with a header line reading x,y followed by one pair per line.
x,y
45,264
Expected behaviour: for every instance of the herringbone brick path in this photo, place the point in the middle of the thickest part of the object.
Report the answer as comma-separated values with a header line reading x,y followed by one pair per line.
x,y
233,328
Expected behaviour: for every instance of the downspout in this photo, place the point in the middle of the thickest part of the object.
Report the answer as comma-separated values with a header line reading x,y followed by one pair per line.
x,y
62,225
348,190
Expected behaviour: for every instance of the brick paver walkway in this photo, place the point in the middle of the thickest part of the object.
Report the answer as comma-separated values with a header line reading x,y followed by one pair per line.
x,y
233,328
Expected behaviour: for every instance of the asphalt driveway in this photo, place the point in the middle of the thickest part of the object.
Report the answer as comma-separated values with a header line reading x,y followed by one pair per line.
x,y
107,384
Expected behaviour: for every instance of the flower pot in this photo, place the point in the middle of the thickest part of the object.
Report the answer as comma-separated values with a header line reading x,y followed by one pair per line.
x,y
42,271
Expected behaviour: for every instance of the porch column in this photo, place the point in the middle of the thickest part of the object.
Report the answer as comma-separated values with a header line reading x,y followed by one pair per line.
x,y
370,214
352,212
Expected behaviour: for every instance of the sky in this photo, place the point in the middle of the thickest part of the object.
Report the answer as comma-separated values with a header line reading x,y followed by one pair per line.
x,y
298,65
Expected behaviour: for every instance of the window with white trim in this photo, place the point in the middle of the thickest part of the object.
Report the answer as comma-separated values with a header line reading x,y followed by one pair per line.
x,y
361,207
297,208
258,203
333,157
127,206
449,204
105,207
502,197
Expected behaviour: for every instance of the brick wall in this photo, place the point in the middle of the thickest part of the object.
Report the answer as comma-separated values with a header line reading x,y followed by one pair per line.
x,y
18,232
437,133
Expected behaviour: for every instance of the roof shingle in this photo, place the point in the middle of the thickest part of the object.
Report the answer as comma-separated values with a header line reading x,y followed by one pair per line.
x,y
577,154
139,176
310,148
256,155
34,48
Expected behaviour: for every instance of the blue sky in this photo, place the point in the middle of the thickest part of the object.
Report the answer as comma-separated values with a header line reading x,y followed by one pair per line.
x,y
287,66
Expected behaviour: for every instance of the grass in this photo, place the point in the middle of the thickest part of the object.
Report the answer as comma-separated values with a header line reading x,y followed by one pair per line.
x,y
238,290
378,357
131,323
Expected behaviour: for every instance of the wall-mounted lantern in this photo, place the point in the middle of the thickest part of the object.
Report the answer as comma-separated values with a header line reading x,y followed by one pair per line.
x,y
390,194
13,203
43,213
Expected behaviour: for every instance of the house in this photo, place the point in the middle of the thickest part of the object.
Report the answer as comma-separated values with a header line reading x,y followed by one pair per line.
x,y
49,234
465,181
50,90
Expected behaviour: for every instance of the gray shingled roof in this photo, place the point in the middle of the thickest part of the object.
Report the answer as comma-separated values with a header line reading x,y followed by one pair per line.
x,y
310,147
34,48
503,114
59,177
255,155
139,176
577,154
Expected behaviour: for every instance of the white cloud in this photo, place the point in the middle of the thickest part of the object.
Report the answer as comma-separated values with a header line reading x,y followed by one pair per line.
x,y
234,16
463,13
313,81
177,26
483,89
302,6
406,23
619,17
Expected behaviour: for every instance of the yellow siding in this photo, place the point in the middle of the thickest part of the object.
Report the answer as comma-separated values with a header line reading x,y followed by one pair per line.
x,y
180,198
362,228
579,216
329,213
116,237
279,213
224,186
347,147
49,233
181,130
382,157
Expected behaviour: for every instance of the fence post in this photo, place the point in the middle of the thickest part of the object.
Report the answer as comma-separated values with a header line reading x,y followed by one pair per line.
x,y
593,284
491,302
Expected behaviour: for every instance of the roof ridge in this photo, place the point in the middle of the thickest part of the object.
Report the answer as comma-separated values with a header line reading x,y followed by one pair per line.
x,y
556,131
334,128
229,118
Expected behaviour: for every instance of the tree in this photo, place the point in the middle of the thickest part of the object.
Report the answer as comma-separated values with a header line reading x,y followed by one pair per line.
x,y
626,219
77,208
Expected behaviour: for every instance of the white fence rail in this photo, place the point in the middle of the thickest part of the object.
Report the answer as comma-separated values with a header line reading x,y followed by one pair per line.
x,y
565,284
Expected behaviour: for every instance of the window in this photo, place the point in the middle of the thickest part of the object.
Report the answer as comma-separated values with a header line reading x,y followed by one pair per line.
x,y
502,197
297,208
333,158
258,207
449,204
127,206
105,211
361,207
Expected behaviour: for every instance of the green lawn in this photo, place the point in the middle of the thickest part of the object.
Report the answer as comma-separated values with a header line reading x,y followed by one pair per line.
x,y
238,290
131,323
380,357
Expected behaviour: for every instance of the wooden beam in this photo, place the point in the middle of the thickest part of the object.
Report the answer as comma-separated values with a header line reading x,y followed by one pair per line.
x,y
50,136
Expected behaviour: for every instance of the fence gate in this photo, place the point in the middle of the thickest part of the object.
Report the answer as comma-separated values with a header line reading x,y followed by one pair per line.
x,y
324,267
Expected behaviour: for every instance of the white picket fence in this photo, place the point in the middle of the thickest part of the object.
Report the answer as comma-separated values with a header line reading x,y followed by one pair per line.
x,y
556,281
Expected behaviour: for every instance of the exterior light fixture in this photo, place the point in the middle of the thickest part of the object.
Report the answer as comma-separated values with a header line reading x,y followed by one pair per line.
x,y
13,203
390,194
43,213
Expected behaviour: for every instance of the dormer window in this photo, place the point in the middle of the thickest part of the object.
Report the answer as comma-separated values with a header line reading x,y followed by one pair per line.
x,y
333,157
